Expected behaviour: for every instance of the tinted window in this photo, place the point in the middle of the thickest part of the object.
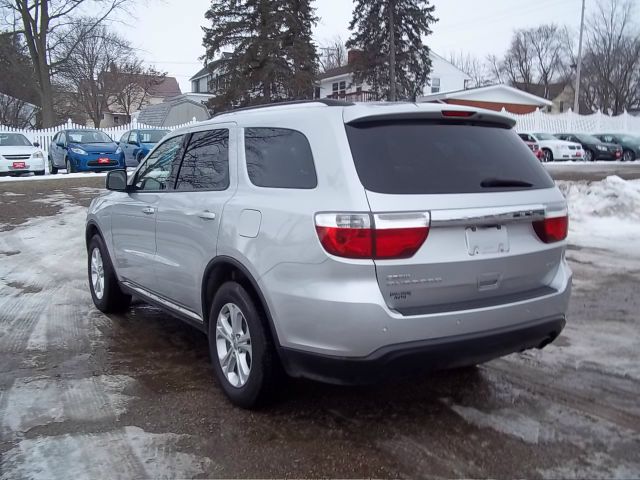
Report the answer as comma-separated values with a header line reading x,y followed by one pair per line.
x,y
205,165
421,157
279,158
155,172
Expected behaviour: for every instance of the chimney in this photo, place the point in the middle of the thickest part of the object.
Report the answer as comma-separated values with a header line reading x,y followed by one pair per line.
x,y
353,56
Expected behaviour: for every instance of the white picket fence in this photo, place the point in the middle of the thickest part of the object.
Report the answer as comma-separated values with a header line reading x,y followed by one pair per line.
x,y
537,121
44,136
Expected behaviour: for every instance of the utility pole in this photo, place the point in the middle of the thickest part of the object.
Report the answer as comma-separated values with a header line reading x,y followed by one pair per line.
x,y
392,52
576,99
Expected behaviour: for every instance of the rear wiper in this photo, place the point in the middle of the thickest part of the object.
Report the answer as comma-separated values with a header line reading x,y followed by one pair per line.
x,y
504,183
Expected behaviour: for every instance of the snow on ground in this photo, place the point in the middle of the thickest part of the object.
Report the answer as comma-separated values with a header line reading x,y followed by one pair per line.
x,y
28,178
604,214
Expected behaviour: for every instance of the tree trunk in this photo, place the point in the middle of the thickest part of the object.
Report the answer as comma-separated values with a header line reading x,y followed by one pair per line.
x,y
46,98
392,53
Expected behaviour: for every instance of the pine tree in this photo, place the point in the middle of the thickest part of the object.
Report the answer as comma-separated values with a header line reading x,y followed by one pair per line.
x,y
273,57
372,24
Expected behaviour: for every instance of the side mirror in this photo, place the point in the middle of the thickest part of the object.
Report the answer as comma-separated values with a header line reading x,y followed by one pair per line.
x,y
36,144
117,180
60,144
133,142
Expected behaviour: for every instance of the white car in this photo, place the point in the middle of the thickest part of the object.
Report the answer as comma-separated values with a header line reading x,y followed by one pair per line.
x,y
555,149
18,155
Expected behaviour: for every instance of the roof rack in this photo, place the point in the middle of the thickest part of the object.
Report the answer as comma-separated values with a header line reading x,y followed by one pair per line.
x,y
329,102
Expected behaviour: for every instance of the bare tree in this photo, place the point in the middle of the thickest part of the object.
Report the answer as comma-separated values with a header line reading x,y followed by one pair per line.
x,y
135,84
479,71
610,78
538,56
92,68
45,25
334,54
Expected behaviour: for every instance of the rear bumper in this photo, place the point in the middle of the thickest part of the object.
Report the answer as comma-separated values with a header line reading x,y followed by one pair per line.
x,y
438,353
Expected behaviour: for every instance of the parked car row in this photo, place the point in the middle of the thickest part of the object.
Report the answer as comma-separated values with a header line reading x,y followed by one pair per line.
x,y
82,150
581,146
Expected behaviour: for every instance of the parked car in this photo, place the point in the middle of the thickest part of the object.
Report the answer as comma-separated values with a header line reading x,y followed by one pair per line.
x,y
136,144
533,146
83,150
340,242
594,148
555,149
630,144
18,155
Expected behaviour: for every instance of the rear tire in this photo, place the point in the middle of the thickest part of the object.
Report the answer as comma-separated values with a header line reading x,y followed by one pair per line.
x,y
588,156
628,156
249,345
106,293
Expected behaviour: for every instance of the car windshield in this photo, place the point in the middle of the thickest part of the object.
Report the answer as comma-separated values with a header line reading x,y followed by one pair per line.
x,y
588,138
14,140
152,136
544,136
88,136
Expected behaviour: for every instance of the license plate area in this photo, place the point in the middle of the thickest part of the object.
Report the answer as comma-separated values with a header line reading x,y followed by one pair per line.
x,y
19,165
103,160
487,240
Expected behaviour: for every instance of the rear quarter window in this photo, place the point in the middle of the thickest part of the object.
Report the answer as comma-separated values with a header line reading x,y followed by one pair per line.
x,y
426,157
279,158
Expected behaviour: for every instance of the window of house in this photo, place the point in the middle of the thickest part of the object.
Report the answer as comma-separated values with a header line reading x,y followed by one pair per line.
x,y
435,85
116,120
561,107
335,87
279,158
205,165
316,92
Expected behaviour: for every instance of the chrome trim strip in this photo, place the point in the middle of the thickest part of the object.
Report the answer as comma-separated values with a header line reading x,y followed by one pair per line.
x,y
487,216
166,303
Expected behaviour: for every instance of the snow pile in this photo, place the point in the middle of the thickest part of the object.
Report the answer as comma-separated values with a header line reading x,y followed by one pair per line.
x,y
604,214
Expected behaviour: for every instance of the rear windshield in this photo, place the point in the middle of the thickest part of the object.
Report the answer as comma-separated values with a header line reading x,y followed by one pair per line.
x,y
423,157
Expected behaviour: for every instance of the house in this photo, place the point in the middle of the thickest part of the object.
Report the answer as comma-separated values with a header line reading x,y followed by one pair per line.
x,y
492,97
339,82
173,112
210,78
560,93
141,91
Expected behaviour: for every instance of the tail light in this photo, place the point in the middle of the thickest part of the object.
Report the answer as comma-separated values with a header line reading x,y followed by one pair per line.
x,y
552,229
378,236
457,113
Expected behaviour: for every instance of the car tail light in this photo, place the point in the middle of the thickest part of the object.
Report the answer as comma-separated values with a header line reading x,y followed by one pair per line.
x,y
381,236
457,113
552,229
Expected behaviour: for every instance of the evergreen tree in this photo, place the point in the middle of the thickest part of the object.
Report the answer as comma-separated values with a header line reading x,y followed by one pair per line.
x,y
389,34
273,56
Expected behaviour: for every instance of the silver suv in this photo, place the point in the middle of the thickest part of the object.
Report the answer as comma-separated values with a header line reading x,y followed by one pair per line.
x,y
339,242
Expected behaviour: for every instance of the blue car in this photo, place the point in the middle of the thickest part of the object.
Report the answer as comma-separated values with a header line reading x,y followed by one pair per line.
x,y
83,151
135,144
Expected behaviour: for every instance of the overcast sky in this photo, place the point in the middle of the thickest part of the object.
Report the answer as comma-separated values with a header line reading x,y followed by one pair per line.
x,y
168,33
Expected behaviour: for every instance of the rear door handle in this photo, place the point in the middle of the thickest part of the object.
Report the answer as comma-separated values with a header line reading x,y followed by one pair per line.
x,y
207,215
148,210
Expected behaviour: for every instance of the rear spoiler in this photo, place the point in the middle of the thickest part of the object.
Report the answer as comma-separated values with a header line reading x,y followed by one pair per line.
x,y
412,111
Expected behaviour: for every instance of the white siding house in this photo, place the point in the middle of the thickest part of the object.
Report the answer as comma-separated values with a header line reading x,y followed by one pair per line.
x,y
338,82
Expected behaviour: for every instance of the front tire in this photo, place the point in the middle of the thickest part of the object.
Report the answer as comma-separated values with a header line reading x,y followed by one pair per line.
x,y
588,156
69,166
242,351
548,155
103,283
628,156
52,168
40,173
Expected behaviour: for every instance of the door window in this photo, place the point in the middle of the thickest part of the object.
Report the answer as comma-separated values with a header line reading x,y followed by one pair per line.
x,y
155,173
63,138
133,138
123,139
205,165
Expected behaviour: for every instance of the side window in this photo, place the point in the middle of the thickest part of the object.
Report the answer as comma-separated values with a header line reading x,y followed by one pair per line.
x,y
155,172
279,158
205,165
63,138
123,139
133,138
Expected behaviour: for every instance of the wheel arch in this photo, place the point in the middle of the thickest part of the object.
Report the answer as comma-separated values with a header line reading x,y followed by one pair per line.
x,y
223,269
92,229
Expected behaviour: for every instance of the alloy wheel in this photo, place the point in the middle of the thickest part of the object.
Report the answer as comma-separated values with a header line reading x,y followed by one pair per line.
x,y
233,345
588,156
547,155
97,273
627,156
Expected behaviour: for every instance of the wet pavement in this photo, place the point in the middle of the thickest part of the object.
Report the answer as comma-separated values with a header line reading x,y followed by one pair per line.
x,y
86,395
